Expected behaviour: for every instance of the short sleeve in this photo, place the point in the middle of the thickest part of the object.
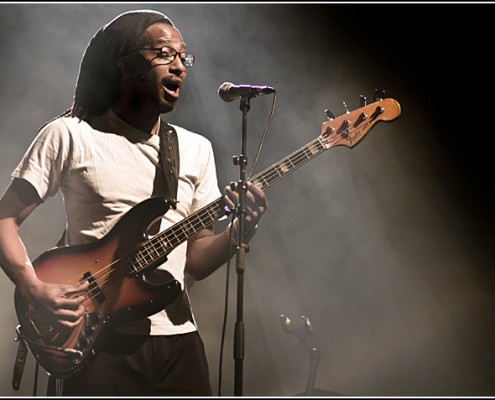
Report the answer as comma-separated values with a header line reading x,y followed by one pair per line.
x,y
45,161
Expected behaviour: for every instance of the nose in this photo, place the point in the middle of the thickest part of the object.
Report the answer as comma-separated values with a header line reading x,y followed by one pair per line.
x,y
177,67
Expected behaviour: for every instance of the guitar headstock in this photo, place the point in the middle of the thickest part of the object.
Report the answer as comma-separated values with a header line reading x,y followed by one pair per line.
x,y
350,128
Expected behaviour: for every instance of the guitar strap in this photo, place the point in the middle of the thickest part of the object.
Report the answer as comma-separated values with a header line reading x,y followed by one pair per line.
x,y
170,162
169,155
20,362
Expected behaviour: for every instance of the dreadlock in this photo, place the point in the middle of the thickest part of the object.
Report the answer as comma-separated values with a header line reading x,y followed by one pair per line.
x,y
98,83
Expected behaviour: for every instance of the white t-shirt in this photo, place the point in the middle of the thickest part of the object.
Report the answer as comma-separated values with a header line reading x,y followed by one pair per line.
x,y
102,175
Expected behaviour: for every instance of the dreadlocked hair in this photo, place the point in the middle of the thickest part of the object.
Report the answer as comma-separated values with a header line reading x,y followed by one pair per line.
x,y
98,83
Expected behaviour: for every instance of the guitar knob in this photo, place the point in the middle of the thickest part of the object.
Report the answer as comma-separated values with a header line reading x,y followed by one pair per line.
x,y
95,318
82,342
89,330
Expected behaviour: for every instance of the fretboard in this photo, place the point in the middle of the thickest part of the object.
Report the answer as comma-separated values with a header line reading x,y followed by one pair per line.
x,y
157,248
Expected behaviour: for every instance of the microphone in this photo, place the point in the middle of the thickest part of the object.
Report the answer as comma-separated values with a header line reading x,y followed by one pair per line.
x,y
229,92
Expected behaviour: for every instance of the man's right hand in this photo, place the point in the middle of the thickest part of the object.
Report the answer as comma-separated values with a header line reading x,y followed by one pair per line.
x,y
64,302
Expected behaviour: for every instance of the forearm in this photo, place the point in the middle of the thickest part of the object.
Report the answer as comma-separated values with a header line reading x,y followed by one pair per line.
x,y
207,253
14,258
62,300
17,203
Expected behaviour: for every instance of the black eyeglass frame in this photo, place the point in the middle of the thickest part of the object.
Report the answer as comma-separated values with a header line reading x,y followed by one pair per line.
x,y
186,57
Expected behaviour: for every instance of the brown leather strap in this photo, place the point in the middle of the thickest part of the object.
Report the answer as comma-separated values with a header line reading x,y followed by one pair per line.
x,y
169,154
20,362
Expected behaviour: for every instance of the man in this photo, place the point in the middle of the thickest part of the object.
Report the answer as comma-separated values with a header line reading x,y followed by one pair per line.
x,y
105,155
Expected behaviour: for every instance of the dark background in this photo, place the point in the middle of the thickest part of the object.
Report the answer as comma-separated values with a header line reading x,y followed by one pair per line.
x,y
387,248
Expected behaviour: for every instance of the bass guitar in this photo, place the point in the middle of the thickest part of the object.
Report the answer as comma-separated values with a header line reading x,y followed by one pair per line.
x,y
121,268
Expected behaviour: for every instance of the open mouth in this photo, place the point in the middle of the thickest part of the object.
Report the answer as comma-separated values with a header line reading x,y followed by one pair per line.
x,y
172,88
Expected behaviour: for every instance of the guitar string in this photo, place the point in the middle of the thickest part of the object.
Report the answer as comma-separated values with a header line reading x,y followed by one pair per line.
x,y
101,277
338,138
296,159
331,139
146,245
271,175
103,280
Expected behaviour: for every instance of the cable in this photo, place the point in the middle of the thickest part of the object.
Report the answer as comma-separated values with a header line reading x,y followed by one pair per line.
x,y
265,132
225,313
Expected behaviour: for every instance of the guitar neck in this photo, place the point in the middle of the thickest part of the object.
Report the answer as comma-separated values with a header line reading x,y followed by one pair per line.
x,y
157,248
347,130
277,171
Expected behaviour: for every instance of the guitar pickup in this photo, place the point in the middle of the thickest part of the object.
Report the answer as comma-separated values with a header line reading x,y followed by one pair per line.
x,y
97,293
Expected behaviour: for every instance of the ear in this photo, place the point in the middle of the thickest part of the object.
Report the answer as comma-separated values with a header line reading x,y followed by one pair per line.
x,y
124,65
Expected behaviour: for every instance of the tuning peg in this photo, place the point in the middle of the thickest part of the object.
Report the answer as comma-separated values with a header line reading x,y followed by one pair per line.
x,y
328,131
345,106
378,111
329,114
345,124
362,100
379,94
362,117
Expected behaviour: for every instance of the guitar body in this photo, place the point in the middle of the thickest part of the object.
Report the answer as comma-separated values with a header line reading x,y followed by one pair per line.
x,y
118,291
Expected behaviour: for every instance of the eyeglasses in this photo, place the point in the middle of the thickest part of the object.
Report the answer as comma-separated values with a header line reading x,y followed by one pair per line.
x,y
167,54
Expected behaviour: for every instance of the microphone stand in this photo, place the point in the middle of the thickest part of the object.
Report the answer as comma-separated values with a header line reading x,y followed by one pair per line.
x,y
242,249
303,334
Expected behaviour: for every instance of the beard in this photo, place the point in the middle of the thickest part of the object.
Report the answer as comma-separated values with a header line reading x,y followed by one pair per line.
x,y
152,98
166,103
